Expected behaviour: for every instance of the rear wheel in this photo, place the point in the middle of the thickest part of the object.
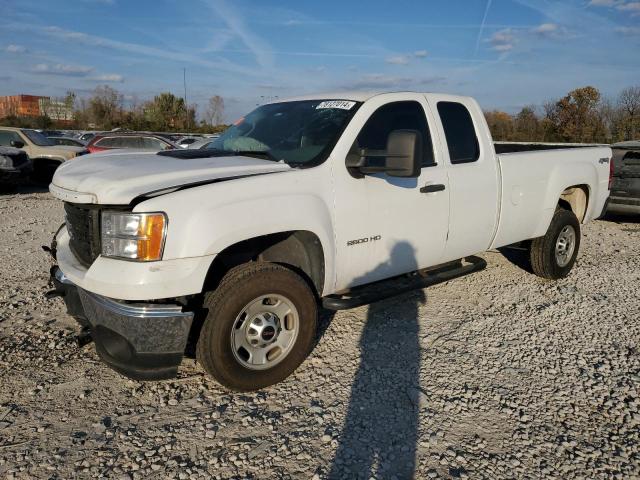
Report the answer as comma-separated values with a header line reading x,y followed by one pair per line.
x,y
259,328
554,254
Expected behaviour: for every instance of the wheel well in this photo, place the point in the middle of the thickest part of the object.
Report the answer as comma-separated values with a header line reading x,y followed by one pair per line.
x,y
575,199
300,250
50,161
46,163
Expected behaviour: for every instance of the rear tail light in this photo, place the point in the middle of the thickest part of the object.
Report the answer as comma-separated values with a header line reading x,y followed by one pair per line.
x,y
610,173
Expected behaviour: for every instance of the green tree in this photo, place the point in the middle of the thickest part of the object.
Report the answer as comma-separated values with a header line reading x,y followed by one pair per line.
x,y
168,112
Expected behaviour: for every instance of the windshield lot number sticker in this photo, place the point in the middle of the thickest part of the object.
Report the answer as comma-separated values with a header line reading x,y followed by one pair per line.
x,y
342,104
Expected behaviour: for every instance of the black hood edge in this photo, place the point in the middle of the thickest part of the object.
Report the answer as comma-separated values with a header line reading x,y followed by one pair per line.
x,y
176,188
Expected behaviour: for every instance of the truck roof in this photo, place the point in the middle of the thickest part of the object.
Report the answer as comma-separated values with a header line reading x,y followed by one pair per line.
x,y
356,96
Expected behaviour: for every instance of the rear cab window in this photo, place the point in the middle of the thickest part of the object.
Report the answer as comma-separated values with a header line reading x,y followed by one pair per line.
x,y
460,133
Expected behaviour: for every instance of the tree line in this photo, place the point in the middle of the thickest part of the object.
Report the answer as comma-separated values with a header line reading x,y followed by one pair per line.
x,y
105,109
581,116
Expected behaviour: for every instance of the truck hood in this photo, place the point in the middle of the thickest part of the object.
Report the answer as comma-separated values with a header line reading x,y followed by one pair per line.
x,y
118,178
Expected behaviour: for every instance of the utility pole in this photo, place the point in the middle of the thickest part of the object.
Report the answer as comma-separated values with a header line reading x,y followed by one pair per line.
x,y
186,104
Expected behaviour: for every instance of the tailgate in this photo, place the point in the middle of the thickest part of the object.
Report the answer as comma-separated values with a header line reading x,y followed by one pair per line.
x,y
626,174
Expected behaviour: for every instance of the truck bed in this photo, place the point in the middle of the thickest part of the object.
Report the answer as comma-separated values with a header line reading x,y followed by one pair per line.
x,y
532,182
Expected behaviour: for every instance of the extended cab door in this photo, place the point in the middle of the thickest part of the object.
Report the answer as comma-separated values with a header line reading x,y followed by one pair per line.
x,y
387,226
474,181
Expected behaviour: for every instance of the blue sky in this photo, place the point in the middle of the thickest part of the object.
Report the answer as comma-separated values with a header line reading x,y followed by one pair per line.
x,y
506,53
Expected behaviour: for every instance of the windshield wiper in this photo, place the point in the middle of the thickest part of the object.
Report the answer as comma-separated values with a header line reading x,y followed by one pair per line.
x,y
255,153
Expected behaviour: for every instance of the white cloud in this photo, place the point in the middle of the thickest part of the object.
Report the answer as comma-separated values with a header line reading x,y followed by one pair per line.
x,y
552,31
62,69
379,81
11,48
420,53
546,29
503,41
628,30
633,7
621,5
397,60
135,48
108,77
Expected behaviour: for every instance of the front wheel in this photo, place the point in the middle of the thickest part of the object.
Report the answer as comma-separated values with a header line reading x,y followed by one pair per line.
x,y
260,326
554,255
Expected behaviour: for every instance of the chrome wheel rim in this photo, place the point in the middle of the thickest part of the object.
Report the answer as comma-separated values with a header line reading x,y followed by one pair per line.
x,y
565,246
265,331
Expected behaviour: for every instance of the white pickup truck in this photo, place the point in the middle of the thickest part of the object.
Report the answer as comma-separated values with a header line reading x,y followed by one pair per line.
x,y
314,201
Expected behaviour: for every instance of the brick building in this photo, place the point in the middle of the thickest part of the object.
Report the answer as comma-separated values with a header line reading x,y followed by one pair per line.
x,y
20,106
35,106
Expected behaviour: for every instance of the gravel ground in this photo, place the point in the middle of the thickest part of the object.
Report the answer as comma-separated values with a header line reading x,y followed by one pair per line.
x,y
495,375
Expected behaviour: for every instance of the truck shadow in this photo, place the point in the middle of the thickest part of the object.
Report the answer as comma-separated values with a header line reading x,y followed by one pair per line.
x,y
518,256
381,426
621,218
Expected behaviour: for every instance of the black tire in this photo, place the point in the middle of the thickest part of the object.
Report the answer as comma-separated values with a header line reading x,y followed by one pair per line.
x,y
544,261
239,287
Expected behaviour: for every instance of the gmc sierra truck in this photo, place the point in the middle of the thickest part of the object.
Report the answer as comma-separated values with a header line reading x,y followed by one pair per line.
x,y
315,201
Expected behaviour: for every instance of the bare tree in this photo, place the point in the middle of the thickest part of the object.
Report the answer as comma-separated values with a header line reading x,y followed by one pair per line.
x,y
629,103
215,110
105,107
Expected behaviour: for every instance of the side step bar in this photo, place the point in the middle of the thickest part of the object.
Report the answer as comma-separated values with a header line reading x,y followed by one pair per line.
x,y
384,289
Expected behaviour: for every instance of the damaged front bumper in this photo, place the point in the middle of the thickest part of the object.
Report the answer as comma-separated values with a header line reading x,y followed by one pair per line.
x,y
143,341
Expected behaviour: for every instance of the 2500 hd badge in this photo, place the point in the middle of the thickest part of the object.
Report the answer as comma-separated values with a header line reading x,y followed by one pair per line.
x,y
373,238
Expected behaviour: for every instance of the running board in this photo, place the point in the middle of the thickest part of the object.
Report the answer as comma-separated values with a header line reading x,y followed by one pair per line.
x,y
392,287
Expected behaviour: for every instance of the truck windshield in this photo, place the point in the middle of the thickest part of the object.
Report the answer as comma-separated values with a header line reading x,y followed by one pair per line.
x,y
298,133
38,138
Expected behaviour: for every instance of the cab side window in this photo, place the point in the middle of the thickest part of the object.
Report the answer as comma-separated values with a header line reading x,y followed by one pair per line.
x,y
407,115
460,133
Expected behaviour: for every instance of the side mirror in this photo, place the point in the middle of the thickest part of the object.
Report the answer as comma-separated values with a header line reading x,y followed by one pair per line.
x,y
404,152
402,157
17,143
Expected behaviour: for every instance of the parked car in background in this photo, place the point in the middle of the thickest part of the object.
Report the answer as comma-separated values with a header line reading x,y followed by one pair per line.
x,y
85,136
184,142
203,143
45,156
52,133
14,165
140,141
69,141
625,185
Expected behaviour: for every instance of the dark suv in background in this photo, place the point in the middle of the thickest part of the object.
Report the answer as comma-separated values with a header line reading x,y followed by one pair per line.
x,y
625,187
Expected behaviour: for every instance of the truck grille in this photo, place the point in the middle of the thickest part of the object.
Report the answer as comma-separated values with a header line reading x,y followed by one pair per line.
x,y
83,225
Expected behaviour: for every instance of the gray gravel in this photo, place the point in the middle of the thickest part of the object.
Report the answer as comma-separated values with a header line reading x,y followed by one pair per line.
x,y
495,375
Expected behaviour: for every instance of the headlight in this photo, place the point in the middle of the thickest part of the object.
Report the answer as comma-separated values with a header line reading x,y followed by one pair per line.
x,y
136,236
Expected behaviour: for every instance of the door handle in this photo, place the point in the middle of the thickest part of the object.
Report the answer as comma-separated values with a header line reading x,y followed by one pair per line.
x,y
435,187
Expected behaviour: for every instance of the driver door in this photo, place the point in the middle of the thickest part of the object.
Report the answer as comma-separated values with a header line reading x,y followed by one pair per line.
x,y
387,225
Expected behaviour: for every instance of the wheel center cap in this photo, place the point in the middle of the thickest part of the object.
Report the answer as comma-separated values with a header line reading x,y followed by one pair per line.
x,y
268,333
